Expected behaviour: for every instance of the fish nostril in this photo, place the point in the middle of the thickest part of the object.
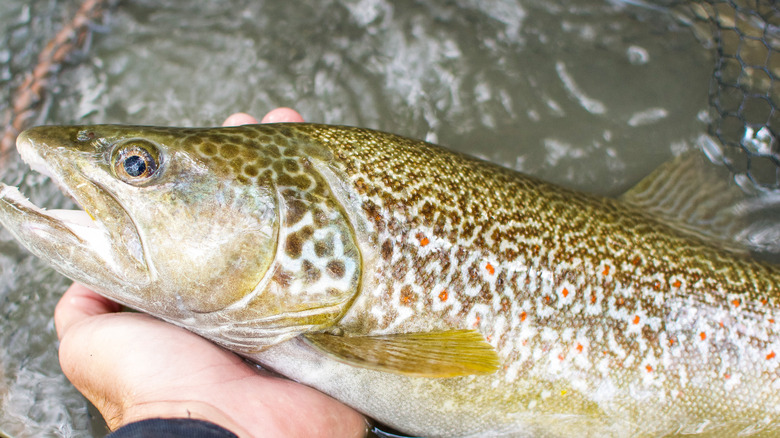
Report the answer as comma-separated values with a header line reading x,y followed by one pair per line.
x,y
85,135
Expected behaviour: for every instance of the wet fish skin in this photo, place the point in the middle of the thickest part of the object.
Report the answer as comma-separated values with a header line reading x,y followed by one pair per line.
x,y
606,321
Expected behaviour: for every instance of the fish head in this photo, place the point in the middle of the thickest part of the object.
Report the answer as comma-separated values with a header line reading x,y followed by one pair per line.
x,y
180,223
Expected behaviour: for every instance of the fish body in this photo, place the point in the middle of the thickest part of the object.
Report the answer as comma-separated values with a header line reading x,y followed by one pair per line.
x,y
337,255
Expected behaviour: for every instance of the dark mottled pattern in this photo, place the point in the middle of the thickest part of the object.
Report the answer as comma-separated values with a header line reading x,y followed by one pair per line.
x,y
588,300
315,276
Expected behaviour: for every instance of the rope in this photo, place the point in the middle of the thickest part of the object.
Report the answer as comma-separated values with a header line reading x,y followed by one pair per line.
x,y
27,99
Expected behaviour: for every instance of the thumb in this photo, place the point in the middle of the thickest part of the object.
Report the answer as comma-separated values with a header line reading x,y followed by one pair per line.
x,y
78,304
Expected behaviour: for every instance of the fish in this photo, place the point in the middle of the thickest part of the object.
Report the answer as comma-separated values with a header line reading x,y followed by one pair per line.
x,y
437,293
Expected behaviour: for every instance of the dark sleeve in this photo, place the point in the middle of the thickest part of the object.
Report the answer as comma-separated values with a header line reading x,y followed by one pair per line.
x,y
171,428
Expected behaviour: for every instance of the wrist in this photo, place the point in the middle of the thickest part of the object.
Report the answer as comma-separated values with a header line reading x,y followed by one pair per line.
x,y
178,409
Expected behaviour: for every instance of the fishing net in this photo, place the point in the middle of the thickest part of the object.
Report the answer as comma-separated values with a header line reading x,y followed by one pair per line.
x,y
745,85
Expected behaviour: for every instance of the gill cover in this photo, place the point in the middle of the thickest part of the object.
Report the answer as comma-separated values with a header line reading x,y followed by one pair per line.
x,y
316,271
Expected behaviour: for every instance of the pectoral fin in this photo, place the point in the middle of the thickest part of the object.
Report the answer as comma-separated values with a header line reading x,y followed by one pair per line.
x,y
436,354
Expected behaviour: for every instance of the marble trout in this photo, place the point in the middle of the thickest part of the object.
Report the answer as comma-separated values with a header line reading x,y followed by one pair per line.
x,y
437,293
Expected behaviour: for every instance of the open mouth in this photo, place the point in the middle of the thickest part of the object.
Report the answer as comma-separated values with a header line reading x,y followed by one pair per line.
x,y
73,219
78,222
110,236
81,224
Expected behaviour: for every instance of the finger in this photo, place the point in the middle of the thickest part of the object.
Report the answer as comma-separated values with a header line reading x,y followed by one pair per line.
x,y
282,115
238,119
77,304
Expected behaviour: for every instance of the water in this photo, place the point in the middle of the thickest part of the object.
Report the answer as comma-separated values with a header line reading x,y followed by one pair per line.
x,y
589,94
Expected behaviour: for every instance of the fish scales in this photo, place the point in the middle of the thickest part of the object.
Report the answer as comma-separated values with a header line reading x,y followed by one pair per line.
x,y
595,299
606,320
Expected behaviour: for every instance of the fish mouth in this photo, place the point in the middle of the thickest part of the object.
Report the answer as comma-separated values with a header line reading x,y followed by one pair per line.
x,y
98,245
79,222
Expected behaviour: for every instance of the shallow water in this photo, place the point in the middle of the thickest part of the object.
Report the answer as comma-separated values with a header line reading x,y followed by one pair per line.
x,y
590,94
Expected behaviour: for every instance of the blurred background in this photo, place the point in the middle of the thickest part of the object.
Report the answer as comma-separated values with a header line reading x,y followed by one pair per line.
x,y
591,94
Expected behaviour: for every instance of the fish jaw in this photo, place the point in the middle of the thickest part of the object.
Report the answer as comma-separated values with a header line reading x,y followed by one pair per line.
x,y
64,238
73,241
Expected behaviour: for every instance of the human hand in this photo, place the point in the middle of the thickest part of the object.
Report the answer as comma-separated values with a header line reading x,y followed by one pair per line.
x,y
133,367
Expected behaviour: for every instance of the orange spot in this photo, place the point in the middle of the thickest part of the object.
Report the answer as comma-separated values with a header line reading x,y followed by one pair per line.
x,y
621,301
649,369
606,270
476,321
522,316
443,295
424,241
579,348
771,355
405,299
490,269
735,302
489,337
636,319
671,342
727,376
721,324
565,292
677,283
771,320
546,298
703,336
656,285
593,299
764,301
525,341
561,356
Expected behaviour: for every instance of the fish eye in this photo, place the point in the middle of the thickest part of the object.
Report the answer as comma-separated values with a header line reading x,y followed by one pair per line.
x,y
135,161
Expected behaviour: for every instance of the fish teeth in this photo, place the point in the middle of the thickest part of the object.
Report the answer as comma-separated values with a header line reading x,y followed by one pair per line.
x,y
73,219
13,193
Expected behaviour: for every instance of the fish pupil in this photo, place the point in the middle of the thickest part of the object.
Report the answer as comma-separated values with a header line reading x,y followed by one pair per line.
x,y
135,166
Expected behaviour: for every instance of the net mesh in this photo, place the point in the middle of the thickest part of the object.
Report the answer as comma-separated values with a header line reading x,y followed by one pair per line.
x,y
745,86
